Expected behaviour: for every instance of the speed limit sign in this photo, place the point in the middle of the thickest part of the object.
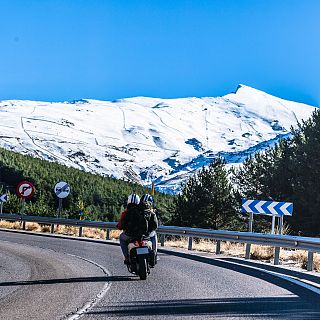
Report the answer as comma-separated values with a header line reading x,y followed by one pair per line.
x,y
25,189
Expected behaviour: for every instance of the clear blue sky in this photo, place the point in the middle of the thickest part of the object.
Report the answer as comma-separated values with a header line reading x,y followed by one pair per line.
x,y
69,49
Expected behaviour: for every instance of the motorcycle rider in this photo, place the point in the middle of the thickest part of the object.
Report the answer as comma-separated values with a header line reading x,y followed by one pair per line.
x,y
146,206
138,220
125,225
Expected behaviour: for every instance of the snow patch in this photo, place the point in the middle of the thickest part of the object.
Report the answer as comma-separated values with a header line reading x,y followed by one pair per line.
x,y
149,140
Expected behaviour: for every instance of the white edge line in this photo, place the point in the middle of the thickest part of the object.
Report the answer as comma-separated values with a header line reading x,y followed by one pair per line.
x,y
107,286
292,279
98,297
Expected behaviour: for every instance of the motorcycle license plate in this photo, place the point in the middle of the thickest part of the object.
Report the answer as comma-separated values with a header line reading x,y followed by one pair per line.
x,y
142,250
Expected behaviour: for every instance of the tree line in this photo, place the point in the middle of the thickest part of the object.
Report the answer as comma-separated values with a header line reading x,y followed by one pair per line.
x,y
103,198
289,172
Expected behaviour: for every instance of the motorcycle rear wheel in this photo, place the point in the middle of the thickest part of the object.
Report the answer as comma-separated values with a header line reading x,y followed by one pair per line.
x,y
142,267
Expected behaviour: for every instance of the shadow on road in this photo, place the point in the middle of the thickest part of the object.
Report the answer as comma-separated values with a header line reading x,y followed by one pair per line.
x,y
244,269
69,280
275,308
297,274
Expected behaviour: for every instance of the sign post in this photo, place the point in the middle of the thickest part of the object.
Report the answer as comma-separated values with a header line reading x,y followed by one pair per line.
x,y
62,190
81,215
273,208
276,209
81,208
273,223
3,198
281,225
152,189
25,190
251,222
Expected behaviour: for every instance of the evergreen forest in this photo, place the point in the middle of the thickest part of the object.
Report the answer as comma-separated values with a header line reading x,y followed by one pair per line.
x,y
100,198
287,172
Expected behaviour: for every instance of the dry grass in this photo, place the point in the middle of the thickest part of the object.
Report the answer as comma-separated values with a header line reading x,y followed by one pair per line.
x,y
264,253
115,234
61,229
300,258
9,225
30,226
207,245
316,262
233,249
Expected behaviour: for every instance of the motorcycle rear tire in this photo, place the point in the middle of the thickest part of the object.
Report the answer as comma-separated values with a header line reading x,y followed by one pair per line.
x,y
142,267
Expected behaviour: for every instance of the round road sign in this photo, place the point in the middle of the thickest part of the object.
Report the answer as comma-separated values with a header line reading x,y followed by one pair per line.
x,y
62,189
25,189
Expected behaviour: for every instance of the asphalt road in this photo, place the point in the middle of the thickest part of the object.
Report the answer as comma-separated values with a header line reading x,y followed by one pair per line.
x,y
52,278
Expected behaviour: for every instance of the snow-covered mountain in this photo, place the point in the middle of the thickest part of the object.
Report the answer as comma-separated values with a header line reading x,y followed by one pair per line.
x,y
148,139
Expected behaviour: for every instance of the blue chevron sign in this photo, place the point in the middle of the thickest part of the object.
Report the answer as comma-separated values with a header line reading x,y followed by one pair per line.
x,y
267,207
3,198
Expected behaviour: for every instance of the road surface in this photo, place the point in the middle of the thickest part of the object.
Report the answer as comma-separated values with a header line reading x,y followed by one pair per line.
x,y
52,278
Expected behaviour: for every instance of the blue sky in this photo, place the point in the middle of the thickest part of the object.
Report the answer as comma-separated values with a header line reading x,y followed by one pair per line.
x,y
62,50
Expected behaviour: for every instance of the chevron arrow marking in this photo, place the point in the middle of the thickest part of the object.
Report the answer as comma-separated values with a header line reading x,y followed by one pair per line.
x,y
267,207
4,198
272,208
259,206
245,205
287,209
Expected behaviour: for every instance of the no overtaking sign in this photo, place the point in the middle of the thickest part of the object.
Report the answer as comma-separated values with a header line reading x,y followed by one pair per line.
x,y
62,189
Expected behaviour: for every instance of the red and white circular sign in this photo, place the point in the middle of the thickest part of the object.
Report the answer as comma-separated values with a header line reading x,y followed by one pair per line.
x,y
25,189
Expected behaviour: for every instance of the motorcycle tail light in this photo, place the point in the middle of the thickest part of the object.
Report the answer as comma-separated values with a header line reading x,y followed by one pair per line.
x,y
142,243
136,244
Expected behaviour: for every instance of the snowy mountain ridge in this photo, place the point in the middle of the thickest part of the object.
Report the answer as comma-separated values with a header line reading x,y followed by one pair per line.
x,y
148,140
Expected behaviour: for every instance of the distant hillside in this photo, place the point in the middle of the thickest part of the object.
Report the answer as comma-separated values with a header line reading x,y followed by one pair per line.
x,y
147,140
103,197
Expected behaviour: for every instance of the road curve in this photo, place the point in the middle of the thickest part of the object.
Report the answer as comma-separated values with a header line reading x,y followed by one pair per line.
x,y
52,278
38,283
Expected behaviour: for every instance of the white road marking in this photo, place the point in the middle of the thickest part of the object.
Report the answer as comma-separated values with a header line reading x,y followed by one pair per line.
x,y
90,304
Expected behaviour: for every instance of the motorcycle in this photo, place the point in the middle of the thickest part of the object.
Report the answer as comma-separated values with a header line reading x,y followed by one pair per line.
x,y
141,257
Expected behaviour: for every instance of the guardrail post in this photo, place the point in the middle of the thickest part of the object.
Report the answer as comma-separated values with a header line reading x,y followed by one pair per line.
x,y
276,255
218,247
52,228
108,234
190,243
162,238
80,231
23,225
248,248
310,261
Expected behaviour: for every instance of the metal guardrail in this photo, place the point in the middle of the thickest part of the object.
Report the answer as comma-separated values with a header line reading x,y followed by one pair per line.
x,y
303,243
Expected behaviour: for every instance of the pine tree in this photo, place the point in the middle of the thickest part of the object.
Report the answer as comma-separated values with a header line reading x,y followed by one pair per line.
x,y
207,199
103,196
306,183
288,172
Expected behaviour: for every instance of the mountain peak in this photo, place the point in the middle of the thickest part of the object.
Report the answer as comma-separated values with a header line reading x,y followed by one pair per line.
x,y
149,139
239,87
243,87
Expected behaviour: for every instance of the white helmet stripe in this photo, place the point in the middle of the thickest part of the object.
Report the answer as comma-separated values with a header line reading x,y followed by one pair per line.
x,y
133,198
